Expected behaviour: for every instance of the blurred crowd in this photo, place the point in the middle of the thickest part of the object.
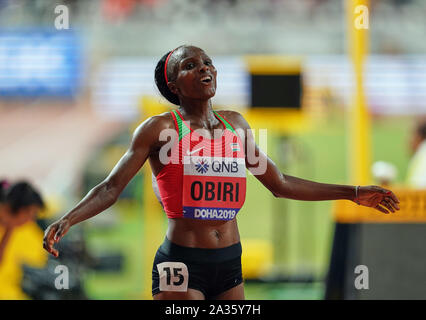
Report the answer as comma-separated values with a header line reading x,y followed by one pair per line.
x,y
133,27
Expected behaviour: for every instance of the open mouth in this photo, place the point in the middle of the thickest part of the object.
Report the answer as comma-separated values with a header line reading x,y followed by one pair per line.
x,y
206,79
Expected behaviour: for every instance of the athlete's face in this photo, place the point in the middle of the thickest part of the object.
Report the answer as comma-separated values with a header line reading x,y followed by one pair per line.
x,y
193,74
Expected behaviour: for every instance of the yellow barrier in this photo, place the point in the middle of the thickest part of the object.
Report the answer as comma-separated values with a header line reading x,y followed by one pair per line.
x,y
279,120
257,257
273,64
412,210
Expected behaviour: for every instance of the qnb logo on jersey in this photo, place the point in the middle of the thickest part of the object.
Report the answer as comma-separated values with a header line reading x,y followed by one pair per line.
x,y
225,166
202,166
214,166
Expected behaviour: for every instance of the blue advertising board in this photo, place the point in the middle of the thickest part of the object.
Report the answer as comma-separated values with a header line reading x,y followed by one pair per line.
x,y
40,63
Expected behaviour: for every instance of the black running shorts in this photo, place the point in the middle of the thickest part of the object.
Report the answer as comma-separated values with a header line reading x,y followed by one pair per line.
x,y
211,271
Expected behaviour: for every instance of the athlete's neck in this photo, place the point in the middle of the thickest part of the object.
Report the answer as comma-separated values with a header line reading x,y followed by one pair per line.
x,y
198,109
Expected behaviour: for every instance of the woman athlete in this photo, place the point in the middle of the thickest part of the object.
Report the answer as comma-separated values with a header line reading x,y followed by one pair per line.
x,y
201,185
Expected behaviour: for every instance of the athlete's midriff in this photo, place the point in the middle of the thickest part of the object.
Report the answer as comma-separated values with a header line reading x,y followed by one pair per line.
x,y
203,233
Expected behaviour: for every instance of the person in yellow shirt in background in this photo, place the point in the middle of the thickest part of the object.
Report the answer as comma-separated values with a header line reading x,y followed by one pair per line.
x,y
416,175
20,236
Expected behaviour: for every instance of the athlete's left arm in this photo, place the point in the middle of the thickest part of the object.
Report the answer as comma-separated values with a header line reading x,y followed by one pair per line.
x,y
286,186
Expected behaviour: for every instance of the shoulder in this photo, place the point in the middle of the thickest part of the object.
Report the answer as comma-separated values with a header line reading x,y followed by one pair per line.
x,y
235,118
148,132
157,122
153,126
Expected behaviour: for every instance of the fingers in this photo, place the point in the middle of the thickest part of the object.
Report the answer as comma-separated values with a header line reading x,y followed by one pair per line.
x,y
382,200
48,241
392,202
389,200
387,204
48,246
378,207
392,196
58,234
54,252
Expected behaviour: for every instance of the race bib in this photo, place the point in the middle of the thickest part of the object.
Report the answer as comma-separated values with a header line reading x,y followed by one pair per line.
x,y
213,187
173,276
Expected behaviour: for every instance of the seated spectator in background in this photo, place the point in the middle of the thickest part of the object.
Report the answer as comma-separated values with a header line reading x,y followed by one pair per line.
x,y
20,236
416,174
384,173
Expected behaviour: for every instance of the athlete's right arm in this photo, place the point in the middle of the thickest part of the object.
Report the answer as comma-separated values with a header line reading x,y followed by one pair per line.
x,y
105,194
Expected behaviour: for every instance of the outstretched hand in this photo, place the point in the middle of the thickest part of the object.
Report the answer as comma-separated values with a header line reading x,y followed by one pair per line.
x,y
378,198
53,234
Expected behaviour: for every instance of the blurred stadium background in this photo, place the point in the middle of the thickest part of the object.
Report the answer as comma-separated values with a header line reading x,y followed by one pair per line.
x,y
69,100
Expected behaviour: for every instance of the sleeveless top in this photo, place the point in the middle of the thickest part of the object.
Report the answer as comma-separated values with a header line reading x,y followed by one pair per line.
x,y
203,178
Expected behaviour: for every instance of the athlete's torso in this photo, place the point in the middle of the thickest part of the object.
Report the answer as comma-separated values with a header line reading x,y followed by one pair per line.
x,y
202,187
